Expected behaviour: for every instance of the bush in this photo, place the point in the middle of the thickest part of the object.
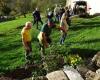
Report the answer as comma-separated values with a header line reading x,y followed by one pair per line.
x,y
73,60
13,13
54,57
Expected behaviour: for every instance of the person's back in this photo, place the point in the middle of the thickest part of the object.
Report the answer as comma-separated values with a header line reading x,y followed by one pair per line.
x,y
37,14
63,22
37,17
46,30
26,34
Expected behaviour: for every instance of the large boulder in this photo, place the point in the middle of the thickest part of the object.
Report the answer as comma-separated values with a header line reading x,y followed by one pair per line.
x,y
57,75
90,75
97,76
96,59
98,71
72,73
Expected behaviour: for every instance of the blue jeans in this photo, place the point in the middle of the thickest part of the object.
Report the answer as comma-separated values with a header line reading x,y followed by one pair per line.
x,y
63,37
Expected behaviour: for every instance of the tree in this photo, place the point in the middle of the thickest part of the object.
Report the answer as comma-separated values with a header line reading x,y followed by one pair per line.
x,y
4,8
23,6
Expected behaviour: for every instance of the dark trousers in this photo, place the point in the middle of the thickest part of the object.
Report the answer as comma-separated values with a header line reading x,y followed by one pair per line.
x,y
63,37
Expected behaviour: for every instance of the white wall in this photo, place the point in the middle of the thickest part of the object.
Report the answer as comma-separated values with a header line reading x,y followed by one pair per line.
x,y
95,5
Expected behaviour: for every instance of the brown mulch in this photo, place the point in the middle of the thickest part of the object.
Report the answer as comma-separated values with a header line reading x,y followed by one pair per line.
x,y
19,73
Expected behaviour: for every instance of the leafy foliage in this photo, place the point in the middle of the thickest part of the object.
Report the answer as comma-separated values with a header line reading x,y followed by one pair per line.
x,y
6,10
73,60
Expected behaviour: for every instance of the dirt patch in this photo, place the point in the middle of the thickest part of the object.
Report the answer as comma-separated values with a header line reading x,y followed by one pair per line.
x,y
19,73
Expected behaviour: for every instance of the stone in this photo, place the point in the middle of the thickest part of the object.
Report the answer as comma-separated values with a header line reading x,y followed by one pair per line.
x,y
97,77
98,71
57,75
90,75
96,59
82,69
72,73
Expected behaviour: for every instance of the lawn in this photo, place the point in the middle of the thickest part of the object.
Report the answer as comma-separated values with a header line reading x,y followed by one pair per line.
x,y
83,37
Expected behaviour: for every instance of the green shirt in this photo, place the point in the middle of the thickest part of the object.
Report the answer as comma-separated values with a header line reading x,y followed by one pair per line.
x,y
46,29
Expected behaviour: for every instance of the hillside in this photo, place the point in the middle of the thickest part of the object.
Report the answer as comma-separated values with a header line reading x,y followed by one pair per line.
x,y
83,38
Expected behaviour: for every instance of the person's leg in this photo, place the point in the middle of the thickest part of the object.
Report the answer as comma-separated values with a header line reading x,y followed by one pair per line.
x,y
37,24
62,39
55,17
49,40
34,21
58,18
64,36
42,49
41,21
29,58
26,55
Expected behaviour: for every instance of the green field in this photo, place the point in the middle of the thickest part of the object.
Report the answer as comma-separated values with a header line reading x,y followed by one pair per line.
x,y
83,36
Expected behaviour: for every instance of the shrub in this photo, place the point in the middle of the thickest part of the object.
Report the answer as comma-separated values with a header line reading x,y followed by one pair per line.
x,y
73,60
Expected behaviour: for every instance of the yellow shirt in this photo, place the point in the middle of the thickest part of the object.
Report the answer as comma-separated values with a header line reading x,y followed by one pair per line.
x,y
26,36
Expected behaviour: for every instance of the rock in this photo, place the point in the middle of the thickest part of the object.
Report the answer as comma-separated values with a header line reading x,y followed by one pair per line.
x,y
41,78
57,75
90,75
98,71
72,73
90,64
97,77
96,59
82,69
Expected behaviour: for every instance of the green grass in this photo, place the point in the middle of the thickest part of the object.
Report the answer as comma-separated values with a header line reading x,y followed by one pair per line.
x,y
87,34
5,26
83,36
11,52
